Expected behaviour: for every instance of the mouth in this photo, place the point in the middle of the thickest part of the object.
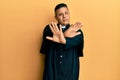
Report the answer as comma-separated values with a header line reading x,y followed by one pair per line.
x,y
64,20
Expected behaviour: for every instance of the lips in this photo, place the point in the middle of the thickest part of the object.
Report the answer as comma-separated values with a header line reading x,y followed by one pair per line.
x,y
65,20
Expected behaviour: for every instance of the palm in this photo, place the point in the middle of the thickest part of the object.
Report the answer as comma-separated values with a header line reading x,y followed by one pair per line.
x,y
73,30
58,37
57,34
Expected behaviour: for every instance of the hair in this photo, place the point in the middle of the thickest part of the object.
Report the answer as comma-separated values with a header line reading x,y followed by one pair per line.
x,y
58,6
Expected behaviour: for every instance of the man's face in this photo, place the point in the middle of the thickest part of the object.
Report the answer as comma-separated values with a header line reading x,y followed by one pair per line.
x,y
63,16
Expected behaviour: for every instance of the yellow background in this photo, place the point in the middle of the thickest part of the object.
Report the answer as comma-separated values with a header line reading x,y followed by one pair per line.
x,y
21,26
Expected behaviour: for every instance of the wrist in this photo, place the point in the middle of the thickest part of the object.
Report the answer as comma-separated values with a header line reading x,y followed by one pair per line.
x,y
63,41
64,35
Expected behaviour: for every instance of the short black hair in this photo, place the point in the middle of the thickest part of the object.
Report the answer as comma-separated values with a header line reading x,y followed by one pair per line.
x,y
58,6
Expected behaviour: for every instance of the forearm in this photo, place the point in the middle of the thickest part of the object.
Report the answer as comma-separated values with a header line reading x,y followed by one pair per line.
x,y
74,41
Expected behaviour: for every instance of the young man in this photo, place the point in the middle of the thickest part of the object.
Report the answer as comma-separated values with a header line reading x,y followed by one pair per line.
x,y
63,45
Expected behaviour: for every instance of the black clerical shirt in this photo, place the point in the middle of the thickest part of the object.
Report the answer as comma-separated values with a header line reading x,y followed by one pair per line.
x,y
62,60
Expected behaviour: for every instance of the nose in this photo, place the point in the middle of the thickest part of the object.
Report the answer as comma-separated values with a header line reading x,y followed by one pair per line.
x,y
64,15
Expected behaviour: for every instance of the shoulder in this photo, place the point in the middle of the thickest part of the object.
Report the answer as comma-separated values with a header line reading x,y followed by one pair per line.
x,y
82,35
47,30
81,31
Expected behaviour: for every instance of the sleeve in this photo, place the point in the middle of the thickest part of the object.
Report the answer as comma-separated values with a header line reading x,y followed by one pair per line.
x,y
44,45
77,41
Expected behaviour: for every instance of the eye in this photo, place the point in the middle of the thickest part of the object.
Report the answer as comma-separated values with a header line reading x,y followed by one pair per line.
x,y
66,13
59,14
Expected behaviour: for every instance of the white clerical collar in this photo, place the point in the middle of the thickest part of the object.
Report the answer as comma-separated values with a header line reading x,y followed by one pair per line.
x,y
63,26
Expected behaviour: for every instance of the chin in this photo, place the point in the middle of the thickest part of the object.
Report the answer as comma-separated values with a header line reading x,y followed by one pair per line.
x,y
66,23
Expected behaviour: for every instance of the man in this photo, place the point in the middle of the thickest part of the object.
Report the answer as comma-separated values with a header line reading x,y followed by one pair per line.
x,y
63,45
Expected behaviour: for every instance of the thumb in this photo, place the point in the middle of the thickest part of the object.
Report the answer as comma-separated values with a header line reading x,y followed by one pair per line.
x,y
77,33
49,38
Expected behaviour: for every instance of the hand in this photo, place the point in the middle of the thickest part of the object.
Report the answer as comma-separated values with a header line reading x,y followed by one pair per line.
x,y
57,34
73,30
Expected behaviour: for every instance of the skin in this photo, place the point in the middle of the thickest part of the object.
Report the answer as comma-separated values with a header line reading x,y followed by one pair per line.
x,y
62,15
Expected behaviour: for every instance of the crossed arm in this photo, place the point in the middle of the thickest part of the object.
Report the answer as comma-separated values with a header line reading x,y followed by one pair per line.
x,y
59,36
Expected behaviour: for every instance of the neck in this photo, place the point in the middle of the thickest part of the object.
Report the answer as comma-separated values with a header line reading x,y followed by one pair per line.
x,y
64,24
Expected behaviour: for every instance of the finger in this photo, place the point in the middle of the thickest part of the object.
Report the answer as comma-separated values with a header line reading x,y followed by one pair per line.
x,y
49,38
75,24
61,28
71,28
72,25
77,33
78,22
75,27
56,27
51,28
78,26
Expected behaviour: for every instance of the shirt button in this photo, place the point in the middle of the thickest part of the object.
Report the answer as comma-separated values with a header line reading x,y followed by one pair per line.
x,y
60,62
61,56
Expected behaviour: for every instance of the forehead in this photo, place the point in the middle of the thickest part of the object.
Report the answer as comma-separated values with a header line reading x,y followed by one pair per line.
x,y
62,10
